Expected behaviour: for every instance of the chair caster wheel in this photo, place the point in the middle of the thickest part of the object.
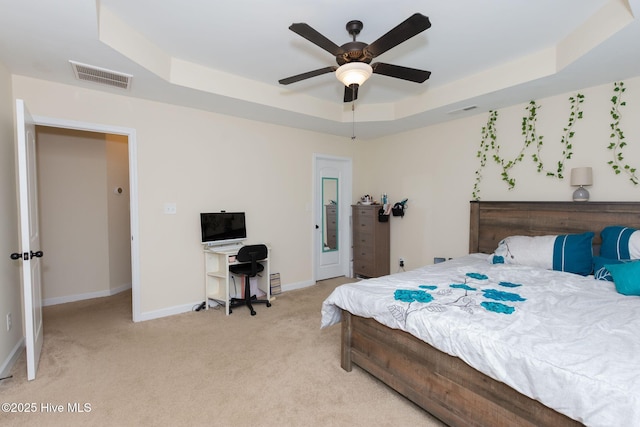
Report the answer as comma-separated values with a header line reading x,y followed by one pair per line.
x,y
253,313
268,304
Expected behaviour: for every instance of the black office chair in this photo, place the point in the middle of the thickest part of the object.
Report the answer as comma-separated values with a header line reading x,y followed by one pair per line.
x,y
249,255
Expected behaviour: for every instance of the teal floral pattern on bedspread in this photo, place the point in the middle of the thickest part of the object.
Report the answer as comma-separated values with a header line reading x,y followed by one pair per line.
x,y
477,292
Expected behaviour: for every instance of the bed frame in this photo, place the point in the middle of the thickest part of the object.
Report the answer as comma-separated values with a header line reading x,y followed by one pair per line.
x,y
444,385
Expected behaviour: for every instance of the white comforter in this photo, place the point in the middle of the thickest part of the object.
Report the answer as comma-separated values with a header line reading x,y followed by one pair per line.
x,y
571,342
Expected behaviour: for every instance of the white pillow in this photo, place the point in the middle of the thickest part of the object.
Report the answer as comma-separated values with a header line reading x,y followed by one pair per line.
x,y
572,253
525,250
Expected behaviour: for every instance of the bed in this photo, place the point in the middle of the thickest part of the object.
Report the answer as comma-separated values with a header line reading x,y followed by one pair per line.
x,y
446,384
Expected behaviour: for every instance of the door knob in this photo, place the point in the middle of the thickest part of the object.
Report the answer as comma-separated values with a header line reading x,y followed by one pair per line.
x,y
26,256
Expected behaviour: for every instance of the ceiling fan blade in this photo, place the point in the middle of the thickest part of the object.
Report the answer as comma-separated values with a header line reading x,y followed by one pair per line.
x,y
413,25
316,38
307,75
351,93
399,72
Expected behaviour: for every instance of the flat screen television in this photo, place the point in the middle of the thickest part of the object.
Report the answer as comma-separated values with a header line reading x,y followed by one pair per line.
x,y
222,228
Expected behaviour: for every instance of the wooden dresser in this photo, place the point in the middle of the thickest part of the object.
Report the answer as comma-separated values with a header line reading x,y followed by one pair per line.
x,y
371,250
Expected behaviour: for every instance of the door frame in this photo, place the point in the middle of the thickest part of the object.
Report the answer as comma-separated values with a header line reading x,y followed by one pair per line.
x,y
133,191
344,220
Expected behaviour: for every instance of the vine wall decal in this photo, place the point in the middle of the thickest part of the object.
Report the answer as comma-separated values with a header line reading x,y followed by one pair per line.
x,y
489,142
528,130
617,136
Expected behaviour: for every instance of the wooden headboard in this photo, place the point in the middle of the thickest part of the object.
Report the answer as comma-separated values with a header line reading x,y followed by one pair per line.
x,y
493,221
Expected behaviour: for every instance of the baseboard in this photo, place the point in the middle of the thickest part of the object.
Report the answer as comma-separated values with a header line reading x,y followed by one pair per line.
x,y
169,311
11,360
298,285
179,309
90,295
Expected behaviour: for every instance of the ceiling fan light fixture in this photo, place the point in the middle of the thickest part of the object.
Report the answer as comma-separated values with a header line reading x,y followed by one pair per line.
x,y
354,73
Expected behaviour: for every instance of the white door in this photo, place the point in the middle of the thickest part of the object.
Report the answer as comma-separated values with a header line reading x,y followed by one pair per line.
x,y
332,238
29,238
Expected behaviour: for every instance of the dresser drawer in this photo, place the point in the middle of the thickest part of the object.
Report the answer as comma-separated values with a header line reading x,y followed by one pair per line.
x,y
364,253
364,268
363,238
362,223
369,212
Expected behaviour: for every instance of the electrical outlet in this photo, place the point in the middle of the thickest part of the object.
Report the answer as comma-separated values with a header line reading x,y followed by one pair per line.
x,y
170,208
9,322
401,262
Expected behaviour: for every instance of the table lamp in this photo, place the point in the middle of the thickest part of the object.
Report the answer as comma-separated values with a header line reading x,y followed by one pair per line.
x,y
581,177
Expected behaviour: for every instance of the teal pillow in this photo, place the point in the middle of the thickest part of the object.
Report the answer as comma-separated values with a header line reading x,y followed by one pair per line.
x,y
626,277
573,253
620,242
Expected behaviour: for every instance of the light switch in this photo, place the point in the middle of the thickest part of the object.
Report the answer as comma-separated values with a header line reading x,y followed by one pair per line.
x,y
170,208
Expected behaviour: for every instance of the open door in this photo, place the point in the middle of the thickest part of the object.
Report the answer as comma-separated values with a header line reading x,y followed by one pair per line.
x,y
29,238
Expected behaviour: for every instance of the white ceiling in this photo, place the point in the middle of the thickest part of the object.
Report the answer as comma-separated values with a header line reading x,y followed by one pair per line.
x,y
228,56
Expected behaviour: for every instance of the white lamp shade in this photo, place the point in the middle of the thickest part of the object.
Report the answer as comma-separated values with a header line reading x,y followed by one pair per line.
x,y
581,176
354,73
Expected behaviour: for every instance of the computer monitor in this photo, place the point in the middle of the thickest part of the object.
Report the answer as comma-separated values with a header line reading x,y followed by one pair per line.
x,y
222,228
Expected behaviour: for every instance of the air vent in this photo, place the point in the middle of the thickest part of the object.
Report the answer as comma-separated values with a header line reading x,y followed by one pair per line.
x,y
101,75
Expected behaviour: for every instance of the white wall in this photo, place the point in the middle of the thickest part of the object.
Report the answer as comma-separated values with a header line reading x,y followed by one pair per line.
x,y
10,301
435,168
202,162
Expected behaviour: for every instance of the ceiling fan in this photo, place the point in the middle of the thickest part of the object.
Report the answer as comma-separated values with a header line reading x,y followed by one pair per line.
x,y
354,57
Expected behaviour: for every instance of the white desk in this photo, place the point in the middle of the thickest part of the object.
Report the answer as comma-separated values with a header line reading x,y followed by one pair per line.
x,y
217,276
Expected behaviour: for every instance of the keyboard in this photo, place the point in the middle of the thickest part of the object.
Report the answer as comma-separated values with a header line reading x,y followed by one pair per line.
x,y
225,248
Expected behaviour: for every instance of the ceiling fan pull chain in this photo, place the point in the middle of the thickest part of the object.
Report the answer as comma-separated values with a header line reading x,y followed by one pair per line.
x,y
353,125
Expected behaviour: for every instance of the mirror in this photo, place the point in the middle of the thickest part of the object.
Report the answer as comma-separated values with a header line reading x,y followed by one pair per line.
x,y
329,214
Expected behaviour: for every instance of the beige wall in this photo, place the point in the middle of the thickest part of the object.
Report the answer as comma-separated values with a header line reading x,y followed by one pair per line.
x,y
10,301
117,152
435,168
202,162
84,224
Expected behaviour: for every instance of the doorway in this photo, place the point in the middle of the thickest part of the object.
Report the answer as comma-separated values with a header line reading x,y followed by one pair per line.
x,y
130,134
83,188
332,216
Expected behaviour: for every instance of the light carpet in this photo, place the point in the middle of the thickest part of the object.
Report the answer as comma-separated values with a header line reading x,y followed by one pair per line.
x,y
277,368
